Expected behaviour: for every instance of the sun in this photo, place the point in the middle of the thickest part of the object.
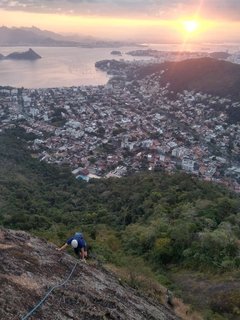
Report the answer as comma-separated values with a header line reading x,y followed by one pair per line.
x,y
190,26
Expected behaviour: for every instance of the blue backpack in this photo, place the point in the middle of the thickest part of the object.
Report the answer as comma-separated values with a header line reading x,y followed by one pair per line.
x,y
79,234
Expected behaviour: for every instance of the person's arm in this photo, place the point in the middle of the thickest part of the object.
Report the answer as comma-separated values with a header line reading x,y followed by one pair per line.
x,y
63,247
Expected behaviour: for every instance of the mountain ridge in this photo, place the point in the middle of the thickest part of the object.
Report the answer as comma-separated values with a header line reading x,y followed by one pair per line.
x,y
31,37
24,36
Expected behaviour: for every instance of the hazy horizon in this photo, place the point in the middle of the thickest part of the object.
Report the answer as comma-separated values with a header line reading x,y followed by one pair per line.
x,y
141,41
131,20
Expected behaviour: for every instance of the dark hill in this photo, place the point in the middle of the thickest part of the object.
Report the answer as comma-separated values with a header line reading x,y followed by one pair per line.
x,y
30,267
26,55
208,75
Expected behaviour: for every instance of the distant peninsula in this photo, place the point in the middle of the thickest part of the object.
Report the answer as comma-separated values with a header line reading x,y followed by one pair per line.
x,y
186,54
26,55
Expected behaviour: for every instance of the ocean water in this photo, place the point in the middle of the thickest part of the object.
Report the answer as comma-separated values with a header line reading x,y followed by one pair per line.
x,y
198,47
64,67
59,67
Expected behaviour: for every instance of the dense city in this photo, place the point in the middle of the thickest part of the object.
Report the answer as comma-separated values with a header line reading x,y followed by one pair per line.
x,y
127,126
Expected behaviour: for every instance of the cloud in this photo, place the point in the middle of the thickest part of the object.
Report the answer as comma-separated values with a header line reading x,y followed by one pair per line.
x,y
164,9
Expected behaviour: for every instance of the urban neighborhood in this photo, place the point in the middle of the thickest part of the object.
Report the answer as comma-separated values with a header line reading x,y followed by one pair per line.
x,y
127,126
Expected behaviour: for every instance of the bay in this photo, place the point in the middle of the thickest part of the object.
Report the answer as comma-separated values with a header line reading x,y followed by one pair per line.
x,y
59,67
68,66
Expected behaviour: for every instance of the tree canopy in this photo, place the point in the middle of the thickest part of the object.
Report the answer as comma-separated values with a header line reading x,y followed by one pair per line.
x,y
163,218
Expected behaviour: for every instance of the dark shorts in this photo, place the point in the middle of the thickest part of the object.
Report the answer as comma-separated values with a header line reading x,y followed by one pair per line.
x,y
78,250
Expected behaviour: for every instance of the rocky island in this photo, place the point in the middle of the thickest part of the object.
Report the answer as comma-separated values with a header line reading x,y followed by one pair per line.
x,y
26,55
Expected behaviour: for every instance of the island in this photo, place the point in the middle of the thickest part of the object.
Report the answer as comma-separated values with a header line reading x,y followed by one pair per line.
x,y
116,52
26,55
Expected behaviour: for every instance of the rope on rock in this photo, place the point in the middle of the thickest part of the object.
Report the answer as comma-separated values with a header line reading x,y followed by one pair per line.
x,y
48,293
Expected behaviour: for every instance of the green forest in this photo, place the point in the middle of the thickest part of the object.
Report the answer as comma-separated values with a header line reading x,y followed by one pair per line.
x,y
165,220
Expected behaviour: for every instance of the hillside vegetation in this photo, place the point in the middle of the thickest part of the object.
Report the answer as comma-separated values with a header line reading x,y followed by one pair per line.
x,y
164,220
208,75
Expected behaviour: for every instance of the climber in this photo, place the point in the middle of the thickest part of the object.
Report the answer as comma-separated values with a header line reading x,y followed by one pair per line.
x,y
79,245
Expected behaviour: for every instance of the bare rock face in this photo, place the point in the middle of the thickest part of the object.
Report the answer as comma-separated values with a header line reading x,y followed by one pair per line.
x,y
30,267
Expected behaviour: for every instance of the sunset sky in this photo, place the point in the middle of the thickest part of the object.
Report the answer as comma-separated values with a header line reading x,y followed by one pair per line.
x,y
149,20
